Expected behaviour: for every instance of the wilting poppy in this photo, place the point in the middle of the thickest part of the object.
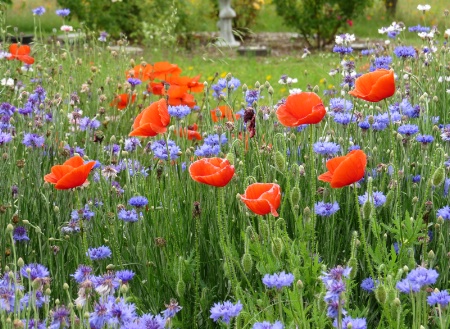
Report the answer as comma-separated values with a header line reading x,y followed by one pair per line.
x,y
21,53
212,171
299,109
262,198
122,101
374,86
225,113
152,121
70,174
345,170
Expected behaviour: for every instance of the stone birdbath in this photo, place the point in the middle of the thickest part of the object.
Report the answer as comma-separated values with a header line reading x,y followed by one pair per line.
x,y
226,15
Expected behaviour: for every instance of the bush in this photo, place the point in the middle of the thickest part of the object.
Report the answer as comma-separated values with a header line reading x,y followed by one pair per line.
x,y
318,21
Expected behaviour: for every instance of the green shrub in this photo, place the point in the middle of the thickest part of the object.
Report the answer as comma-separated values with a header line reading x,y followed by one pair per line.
x,y
318,21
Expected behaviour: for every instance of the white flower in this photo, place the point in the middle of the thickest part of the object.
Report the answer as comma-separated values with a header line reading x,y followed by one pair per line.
x,y
440,80
394,27
424,7
4,54
447,33
386,42
7,82
26,68
425,35
344,39
291,80
294,91
66,28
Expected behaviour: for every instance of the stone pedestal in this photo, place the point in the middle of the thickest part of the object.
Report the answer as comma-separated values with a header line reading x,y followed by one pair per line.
x,y
226,15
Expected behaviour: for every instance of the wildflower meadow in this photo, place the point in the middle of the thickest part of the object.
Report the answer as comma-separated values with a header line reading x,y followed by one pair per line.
x,y
139,194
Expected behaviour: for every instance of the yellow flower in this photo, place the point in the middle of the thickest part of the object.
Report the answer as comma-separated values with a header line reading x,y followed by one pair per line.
x,y
223,74
210,78
283,90
322,81
330,86
268,77
190,68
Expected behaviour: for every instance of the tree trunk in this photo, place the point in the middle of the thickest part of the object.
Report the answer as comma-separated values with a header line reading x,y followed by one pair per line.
x,y
391,7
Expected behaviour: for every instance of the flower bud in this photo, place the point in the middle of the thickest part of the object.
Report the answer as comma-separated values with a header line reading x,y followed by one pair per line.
x,y
277,247
380,294
280,161
181,288
247,262
438,176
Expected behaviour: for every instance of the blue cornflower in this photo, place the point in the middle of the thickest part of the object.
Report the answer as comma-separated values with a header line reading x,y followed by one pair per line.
x,y
134,82
446,186
82,273
326,148
325,209
441,297
138,201
171,309
122,313
34,271
160,150
408,130
407,109
405,51
378,199
125,275
425,139
33,324
39,11
382,62
444,213
268,325
60,318
38,298
368,284
100,315
152,321
99,253
179,111
342,50
344,118
349,322
215,139
225,311
353,147
130,216
103,36
338,105
131,144
349,80
416,279
63,12
419,28
5,138
278,280
445,133
251,96
7,109
367,52
364,125
86,123
20,234
113,149
107,280
33,140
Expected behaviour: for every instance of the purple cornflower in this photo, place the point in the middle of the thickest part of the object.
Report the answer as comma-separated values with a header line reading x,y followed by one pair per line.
x,y
408,130
150,321
172,309
446,186
125,275
444,213
335,286
60,318
348,322
32,324
106,283
138,201
416,279
416,179
63,12
342,50
86,123
103,36
425,139
39,11
122,313
131,144
440,297
382,62
326,148
211,145
99,253
445,133
378,199
159,149
268,325
38,299
179,111
407,109
251,96
419,28
130,216
405,52
344,118
339,105
368,284
325,209
33,140
225,311
34,271
5,138
20,234
113,149
100,315
83,213
278,280
82,273
134,82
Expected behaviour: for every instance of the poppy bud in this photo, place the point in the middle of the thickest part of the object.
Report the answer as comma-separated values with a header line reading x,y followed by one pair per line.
x,y
181,288
277,247
306,214
264,230
247,262
389,199
367,209
380,294
438,176
353,264
300,285
280,161
295,195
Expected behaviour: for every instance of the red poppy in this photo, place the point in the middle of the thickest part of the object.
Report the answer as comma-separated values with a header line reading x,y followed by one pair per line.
x,y
226,112
70,174
191,132
122,101
212,171
141,72
152,121
262,198
163,69
156,88
374,86
299,109
185,99
345,170
21,53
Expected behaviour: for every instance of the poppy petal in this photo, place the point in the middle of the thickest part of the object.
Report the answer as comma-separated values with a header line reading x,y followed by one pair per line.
x,y
76,177
58,172
75,161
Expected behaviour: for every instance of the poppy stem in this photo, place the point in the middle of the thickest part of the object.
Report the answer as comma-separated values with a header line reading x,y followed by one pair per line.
x,y
363,233
313,190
